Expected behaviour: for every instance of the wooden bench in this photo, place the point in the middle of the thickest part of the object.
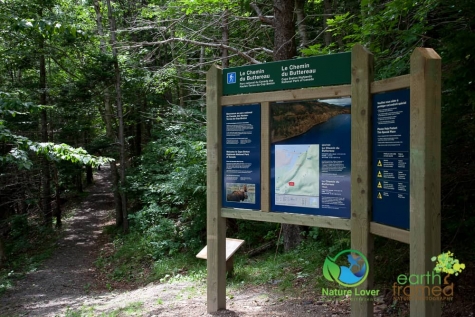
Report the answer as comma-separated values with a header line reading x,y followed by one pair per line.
x,y
232,245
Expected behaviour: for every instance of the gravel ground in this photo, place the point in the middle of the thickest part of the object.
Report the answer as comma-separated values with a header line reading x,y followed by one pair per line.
x,y
64,282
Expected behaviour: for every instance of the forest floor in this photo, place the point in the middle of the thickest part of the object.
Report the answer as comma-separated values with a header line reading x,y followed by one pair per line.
x,y
66,284
69,284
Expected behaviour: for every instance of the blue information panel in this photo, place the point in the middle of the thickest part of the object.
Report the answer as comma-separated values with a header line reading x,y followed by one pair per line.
x,y
391,144
310,157
242,156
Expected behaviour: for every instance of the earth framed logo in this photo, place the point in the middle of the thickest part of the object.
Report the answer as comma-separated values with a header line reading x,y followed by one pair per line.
x,y
351,275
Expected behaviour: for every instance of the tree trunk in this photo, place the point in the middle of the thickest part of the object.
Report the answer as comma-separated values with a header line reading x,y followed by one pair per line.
x,y
78,179
138,129
108,115
284,48
120,115
225,33
327,5
202,57
180,91
57,198
89,175
301,26
284,30
3,256
45,168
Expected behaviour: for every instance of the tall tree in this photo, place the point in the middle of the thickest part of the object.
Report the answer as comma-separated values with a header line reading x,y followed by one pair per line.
x,y
45,170
327,4
284,30
108,119
120,115
301,23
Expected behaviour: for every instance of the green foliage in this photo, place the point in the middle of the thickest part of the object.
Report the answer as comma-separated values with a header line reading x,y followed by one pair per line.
x,y
170,184
169,189
208,6
254,233
47,28
26,247
183,266
161,236
292,271
10,105
315,50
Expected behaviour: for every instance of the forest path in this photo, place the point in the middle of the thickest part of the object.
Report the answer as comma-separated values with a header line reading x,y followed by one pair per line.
x,y
64,279
65,284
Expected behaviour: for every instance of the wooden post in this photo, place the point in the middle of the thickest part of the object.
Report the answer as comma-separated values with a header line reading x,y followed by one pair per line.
x,y
425,170
265,156
216,225
361,104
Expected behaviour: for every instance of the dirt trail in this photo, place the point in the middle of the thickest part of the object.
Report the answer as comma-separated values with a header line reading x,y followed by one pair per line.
x,y
65,281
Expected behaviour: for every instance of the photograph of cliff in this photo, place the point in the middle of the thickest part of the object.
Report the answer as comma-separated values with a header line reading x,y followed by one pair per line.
x,y
290,119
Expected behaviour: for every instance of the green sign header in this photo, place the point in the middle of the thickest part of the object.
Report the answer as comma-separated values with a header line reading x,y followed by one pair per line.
x,y
325,70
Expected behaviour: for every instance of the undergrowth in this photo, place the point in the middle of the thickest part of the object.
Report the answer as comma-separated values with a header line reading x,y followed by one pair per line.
x,y
298,271
29,242
27,246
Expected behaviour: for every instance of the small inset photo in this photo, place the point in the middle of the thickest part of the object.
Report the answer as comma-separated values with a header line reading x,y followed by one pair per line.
x,y
241,193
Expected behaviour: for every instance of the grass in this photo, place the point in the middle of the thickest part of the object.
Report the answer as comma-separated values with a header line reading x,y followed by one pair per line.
x,y
302,266
128,261
297,273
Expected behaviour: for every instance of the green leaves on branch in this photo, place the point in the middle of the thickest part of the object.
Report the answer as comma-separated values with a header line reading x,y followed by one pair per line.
x,y
47,28
10,104
20,146
207,6
66,152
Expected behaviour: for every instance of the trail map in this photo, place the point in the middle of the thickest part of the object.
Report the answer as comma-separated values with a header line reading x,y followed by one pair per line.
x,y
297,175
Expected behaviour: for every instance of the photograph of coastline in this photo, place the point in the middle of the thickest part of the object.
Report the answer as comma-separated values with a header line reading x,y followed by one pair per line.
x,y
290,119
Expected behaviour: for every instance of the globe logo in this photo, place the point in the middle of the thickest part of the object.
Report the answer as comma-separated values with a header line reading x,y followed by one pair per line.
x,y
348,268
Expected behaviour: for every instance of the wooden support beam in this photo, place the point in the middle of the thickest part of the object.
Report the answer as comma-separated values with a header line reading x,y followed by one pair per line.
x,y
389,232
265,156
425,170
288,95
216,225
393,83
283,217
361,145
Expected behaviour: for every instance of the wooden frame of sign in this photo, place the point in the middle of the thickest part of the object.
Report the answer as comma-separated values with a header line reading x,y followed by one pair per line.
x,y
424,177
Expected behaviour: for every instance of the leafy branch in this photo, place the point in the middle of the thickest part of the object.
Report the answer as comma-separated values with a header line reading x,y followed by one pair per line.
x,y
20,146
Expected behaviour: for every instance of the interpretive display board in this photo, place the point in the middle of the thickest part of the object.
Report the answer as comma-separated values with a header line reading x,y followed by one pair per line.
x,y
285,155
327,70
241,156
391,144
310,157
